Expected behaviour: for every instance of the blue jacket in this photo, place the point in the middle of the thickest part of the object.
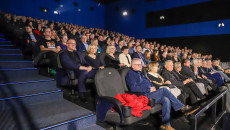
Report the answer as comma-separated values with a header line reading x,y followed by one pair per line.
x,y
81,47
136,55
138,82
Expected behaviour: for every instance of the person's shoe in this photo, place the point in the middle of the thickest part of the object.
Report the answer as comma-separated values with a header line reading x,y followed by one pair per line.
x,y
188,110
167,127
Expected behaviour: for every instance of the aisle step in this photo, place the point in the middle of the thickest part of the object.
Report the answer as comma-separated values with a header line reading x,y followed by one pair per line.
x,y
52,114
4,57
14,90
20,75
10,51
16,64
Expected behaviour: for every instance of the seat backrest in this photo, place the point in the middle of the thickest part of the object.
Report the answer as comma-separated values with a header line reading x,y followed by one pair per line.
x,y
84,53
123,75
59,66
102,58
108,82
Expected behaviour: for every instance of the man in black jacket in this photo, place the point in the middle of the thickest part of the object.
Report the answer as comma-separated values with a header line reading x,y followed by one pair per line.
x,y
184,85
29,41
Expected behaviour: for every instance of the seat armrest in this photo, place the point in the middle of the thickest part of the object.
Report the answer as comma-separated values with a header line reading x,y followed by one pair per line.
x,y
104,104
40,56
136,93
151,102
71,74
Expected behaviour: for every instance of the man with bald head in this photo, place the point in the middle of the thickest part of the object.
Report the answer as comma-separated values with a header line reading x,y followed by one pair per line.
x,y
72,60
138,82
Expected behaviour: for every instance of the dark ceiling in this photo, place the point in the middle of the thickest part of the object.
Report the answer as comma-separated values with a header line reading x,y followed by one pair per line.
x,y
106,1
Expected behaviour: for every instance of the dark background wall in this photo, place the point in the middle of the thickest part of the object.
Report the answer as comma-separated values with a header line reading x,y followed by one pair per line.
x,y
217,45
69,12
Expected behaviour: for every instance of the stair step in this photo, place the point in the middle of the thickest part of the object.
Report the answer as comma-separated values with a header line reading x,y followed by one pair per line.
x,y
35,97
93,127
5,42
20,75
7,46
51,114
4,57
10,51
2,39
13,90
75,124
16,64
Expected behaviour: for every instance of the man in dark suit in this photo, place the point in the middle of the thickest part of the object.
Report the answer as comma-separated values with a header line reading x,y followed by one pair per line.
x,y
83,45
186,70
138,54
73,60
184,85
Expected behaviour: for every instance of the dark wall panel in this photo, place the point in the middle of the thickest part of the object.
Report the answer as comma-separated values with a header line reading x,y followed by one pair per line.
x,y
207,11
218,45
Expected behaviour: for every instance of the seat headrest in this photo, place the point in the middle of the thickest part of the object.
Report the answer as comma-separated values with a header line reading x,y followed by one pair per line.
x,y
108,82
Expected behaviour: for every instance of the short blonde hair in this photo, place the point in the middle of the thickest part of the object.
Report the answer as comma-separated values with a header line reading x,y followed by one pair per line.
x,y
177,65
108,49
151,65
90,46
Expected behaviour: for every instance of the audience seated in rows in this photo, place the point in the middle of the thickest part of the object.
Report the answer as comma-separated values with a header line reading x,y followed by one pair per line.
x,y
138,82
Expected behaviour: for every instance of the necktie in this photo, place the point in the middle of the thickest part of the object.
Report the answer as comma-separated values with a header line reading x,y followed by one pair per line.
x,y
128,59
142,59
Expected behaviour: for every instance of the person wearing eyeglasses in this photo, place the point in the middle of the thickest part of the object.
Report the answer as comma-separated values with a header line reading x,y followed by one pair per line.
x,y
138,82
71,59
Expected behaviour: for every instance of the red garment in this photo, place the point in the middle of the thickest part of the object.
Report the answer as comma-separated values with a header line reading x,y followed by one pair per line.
x,y
36,31
138,104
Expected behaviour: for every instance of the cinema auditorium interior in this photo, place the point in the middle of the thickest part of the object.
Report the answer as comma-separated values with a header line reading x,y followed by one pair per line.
x,y
114,65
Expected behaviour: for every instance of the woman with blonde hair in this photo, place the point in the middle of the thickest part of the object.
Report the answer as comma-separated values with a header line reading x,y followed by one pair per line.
x,y
159,81
92,58
112,60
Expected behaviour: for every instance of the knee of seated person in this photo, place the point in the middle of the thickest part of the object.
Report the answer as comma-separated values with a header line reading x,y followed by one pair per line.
x,y
166,100
165,89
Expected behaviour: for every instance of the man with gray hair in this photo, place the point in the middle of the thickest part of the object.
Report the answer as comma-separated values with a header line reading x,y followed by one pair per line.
x,y
185,84
138,82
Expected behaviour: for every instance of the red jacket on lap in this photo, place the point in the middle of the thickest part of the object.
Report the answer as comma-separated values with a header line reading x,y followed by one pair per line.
x,y
138,104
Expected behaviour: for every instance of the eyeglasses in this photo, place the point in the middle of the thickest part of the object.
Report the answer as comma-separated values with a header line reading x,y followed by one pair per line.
x,y
138,64
72,43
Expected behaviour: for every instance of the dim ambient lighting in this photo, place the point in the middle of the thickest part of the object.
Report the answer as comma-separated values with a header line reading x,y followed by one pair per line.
x,y
125,13
79,10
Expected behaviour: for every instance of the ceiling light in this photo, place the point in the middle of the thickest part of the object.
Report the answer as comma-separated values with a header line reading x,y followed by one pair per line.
x,y
125,13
